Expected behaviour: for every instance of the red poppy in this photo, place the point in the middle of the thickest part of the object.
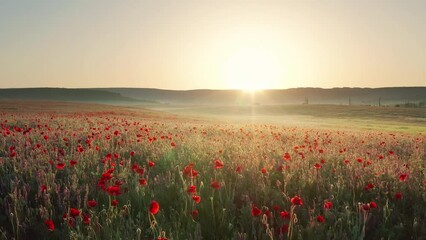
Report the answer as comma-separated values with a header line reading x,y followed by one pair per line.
x,y
192,189
92,203
196,198
403,177
215,185
60,166
320,219
287,156
328,205
398,195
255,211
74,212
365,207
132,153
50,225
143,182
297,201
264,171
194,214
73,162
114,190
218,164
189,171
114,203
285,215
151,163
373,204
154,207
317,166
238,169
86,218
369,186
43,188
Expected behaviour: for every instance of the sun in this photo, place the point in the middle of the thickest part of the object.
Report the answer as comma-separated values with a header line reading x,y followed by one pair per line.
x,y
252,70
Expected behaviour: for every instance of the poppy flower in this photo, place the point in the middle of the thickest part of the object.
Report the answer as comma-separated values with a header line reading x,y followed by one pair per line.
x,y
255,211
114,203
192,189
92,203
154,207
403,177
114,190
43,188
194,214
143,182
320,219
50,225
151,163
317,166
373,204
328,205
297,201
287,156
369,186
196,198
189,171
73,162
285,215
264,171
60,166
238,169
74,212
218,164
398,195
86,218
215,185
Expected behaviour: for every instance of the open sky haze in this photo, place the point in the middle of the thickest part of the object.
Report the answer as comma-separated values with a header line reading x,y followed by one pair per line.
x,y
212,44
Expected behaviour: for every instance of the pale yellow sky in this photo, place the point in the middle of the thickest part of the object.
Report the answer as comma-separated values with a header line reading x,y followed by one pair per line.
x,y
212,44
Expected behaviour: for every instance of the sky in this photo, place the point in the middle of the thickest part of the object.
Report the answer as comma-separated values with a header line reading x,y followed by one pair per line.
x,y
219,44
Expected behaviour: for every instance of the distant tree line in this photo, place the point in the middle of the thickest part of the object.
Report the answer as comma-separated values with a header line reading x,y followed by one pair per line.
x,y
412,105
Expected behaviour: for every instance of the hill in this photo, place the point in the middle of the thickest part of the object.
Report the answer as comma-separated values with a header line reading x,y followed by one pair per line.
x,y
356,96
63,94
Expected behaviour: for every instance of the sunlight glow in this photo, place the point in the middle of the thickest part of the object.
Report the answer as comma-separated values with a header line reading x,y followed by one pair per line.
x,y
252,69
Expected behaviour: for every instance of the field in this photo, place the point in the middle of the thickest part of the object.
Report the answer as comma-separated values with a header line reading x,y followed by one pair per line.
x,y
86,171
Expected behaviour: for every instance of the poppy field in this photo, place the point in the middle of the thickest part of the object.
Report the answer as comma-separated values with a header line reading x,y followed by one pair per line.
x,y
115,174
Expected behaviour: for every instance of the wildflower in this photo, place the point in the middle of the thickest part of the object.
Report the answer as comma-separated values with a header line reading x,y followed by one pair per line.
x,y
60,166
297,201
50,225
92,203
194,214
196,198
114,203
192,189
255,211
215,185
285,215
403,177
373,204
74,212
143,182
398,195
328,205
320,219
154,207
73,162
218,164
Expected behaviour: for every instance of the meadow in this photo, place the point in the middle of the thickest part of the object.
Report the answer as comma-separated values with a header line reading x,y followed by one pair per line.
x,y
86,171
